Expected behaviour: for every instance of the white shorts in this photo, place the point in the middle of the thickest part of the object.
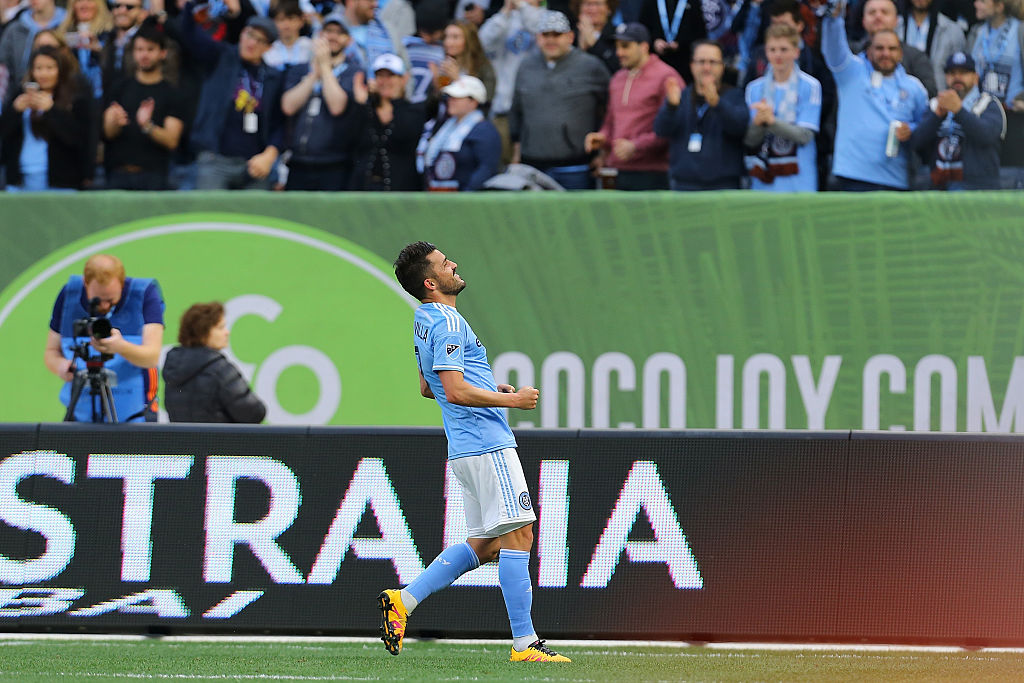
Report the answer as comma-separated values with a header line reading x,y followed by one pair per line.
x,y
494,493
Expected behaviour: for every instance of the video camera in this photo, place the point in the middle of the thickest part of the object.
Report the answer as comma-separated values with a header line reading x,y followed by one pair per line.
x,y
98,378
96,326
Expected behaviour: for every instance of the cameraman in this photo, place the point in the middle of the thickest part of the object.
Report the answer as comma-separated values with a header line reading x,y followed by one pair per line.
x,y
135,309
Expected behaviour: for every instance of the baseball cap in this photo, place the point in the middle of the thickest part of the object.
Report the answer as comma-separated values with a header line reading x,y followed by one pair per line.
x,y
632,33
335,18
389,62
553,22
960,60
467,86
264,24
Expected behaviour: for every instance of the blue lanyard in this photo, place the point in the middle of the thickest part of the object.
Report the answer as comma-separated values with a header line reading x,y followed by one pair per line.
x,y
671,31
254,88
1004,33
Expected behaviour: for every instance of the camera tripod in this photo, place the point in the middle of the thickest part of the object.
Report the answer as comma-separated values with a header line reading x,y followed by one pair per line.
x,y
99,379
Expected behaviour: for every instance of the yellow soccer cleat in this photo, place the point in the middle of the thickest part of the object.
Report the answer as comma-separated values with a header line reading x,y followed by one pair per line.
x,y
393,618
537,653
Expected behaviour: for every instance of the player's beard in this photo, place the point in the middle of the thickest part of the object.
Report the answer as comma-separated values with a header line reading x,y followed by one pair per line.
x,y
454,288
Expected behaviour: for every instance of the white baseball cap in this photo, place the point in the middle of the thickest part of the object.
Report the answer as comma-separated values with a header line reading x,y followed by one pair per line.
x,y
467,86
389,62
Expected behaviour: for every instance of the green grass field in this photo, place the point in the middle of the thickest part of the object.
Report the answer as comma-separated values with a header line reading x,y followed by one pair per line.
x,y
24,659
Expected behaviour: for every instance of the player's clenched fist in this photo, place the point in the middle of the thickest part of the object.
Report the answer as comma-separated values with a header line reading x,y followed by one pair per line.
x,y
527,398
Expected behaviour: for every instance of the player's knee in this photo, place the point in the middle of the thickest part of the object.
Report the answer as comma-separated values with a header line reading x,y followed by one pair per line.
x,y
520,539
486,549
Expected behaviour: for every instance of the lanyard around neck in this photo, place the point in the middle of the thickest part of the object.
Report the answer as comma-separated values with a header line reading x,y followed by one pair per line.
x,y
671,31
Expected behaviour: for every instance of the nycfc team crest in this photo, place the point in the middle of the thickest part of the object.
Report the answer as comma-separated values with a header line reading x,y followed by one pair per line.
x,y
783,147
444,167
524,500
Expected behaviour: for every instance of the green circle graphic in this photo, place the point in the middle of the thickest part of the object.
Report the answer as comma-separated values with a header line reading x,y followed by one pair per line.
x,y
319,324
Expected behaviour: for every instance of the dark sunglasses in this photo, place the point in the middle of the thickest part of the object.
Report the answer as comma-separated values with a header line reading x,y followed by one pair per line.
x,y
124,5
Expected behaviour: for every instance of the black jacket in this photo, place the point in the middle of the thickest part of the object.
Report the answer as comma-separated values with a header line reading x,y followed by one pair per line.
x,y
70,147
203,386
395,167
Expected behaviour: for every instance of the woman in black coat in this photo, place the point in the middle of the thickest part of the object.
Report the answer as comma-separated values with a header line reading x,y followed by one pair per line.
x,y
50,118
385,153
203,385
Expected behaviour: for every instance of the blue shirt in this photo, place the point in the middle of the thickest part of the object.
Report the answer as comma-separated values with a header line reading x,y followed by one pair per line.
x,y
445,341
808,115
421,55
35,152
997,55
152,305
369,41
868,103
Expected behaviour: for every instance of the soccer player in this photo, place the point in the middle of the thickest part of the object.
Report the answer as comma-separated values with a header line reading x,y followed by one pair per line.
x,y
454,370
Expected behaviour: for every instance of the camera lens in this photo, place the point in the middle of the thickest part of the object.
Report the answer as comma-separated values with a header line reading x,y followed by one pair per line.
x,y
100,328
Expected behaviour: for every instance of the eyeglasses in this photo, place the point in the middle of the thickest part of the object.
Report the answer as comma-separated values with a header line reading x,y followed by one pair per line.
x,y
254,34
707,62
124,5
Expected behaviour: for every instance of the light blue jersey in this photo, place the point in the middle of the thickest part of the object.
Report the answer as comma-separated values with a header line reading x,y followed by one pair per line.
x,y
868,103
806,114
445,341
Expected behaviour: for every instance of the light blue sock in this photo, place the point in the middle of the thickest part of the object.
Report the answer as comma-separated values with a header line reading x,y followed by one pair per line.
x,y
517,589
453,562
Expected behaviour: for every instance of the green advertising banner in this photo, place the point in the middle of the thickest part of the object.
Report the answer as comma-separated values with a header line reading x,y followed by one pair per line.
x,y
719,310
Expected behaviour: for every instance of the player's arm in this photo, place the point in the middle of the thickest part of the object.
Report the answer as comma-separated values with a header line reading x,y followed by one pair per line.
x,y
425,388
460,392
54,357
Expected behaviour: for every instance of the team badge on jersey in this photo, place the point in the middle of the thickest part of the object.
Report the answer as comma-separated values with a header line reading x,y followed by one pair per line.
x,y
524,500
451,348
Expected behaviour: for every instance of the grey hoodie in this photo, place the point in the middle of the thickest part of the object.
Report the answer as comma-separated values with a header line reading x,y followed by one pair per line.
x,y
16,45
946,38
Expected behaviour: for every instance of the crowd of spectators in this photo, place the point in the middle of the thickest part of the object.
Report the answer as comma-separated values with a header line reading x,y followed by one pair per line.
x,y
457,95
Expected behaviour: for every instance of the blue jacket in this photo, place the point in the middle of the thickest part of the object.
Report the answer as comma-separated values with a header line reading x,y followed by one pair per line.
x,y
721,129
477,159
225,65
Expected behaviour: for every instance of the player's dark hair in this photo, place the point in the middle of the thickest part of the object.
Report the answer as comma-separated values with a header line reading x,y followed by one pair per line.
x,y
412,268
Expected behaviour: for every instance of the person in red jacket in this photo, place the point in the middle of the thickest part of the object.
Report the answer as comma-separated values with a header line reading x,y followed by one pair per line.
x,y
626,141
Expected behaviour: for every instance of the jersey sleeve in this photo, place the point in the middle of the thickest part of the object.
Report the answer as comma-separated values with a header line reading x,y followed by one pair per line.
x,y
449,351
808,110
